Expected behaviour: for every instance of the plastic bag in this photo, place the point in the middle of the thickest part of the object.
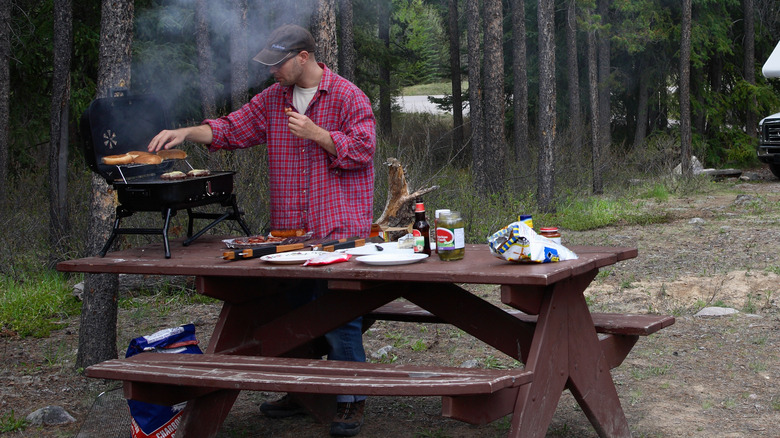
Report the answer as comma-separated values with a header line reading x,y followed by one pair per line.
x,y
150,420
517,242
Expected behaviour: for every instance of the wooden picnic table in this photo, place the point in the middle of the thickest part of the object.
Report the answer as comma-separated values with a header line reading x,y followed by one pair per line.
x,y
555,335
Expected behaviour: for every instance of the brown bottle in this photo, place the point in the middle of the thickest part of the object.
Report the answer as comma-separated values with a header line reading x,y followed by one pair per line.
x,y
421,229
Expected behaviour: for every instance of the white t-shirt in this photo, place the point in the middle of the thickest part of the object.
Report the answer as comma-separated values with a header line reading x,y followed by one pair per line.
x,y
302,97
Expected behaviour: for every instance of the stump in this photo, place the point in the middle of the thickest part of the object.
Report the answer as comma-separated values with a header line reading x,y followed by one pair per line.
x,y
398,215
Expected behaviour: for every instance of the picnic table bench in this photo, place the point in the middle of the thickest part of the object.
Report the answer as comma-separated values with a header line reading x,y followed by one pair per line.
x,y
549,328
173,378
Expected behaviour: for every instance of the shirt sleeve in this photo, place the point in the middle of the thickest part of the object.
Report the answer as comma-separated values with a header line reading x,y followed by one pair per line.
x,y
356,139
243,128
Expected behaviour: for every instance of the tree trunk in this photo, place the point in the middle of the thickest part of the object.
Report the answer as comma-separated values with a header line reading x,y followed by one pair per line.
x,y
239,56
58,143
593,98
475,81
575,114
324,32
347,33
97,332
385,102
493,160
605,106
208,97
751,118
642,108
520,85
547,113
457,99
5,89
685,88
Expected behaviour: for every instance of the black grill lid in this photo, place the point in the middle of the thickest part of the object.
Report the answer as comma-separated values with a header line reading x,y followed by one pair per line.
x,y
119,124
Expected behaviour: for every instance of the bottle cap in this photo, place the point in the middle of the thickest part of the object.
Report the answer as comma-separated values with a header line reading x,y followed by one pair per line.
x,y
548,229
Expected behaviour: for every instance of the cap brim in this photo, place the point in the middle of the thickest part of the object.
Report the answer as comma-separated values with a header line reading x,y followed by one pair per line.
x,y
271,57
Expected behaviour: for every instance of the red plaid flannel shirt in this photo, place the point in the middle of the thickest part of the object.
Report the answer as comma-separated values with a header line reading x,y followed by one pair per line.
x,y
310,189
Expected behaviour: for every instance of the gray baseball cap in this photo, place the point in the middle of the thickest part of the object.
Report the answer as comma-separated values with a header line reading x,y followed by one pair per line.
x,y
283,43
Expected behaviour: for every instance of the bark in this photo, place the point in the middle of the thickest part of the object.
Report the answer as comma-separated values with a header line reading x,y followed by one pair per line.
x,y
642,108
97,332
547,112
685,88
347,34
208,96
5,88
58,143
749,43
520,85
457,100
593,99
605,107
475,80
385,99
324,32
239,56
493,160
575,114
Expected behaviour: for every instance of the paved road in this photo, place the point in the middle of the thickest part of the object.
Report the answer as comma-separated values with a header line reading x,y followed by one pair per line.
x,y
421,104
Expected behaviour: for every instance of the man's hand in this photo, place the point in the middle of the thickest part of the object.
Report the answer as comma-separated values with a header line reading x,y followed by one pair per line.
x,y
303,127
171,138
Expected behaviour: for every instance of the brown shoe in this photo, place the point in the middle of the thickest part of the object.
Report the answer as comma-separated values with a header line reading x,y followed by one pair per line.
x,y
282,408
348,420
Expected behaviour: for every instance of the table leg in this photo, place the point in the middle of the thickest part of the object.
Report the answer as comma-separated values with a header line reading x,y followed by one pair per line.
x,y
565,352
204,415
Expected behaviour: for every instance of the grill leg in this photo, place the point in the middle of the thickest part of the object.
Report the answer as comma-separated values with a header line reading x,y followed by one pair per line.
x,y
111,238
167,245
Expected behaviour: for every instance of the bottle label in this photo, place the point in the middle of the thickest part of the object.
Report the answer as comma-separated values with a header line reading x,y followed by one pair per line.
x,y
419,241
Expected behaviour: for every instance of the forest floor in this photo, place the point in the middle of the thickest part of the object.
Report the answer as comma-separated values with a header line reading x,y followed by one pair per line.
x,y
701,377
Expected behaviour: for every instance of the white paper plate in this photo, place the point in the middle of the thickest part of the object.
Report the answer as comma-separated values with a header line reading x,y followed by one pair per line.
x,y
292,257
371,249
391,259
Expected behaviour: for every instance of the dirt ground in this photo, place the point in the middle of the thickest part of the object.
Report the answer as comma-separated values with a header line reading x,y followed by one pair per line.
x,y
702,377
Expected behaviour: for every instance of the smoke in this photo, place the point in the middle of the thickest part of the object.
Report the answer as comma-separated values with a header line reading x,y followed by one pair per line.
x,y
165,58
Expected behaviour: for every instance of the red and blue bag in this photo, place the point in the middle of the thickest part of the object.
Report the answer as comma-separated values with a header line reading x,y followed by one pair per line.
x,y
150,420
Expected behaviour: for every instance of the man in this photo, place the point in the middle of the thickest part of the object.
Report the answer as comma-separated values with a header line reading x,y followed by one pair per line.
x,y
320,134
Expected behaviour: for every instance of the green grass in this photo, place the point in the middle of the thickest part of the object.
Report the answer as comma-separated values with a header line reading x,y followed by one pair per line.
x,y
434,89
35,303
9,423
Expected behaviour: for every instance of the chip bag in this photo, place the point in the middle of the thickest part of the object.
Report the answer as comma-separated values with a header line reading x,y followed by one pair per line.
x,y
517,242
150,420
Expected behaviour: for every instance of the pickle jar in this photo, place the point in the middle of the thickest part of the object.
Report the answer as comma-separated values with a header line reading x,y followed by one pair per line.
x,y
450,236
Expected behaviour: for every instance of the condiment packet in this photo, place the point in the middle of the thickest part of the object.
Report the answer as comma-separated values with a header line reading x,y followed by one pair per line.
x,y
517,242
327,259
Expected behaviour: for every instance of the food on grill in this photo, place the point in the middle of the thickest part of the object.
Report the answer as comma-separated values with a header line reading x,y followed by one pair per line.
x,y
170,176
172,154
146,159
198,172
114,160
288,233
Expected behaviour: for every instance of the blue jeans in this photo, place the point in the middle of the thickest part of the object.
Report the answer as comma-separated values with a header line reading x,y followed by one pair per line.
x,y
344,343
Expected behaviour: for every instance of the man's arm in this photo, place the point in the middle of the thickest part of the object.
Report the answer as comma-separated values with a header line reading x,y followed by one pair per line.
x,y
303,127
171,138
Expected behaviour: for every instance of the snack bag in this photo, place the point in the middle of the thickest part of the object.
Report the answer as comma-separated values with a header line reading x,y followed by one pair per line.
x,y
517,242
150,420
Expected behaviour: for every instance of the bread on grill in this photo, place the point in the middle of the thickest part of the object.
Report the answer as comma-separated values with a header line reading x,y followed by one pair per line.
x,y
115,160
172,154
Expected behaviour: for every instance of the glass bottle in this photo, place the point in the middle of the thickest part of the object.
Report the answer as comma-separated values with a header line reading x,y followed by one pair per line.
x,y
421,230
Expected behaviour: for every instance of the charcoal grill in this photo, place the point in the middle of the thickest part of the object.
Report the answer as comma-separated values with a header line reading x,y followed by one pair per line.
x,y
123,123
